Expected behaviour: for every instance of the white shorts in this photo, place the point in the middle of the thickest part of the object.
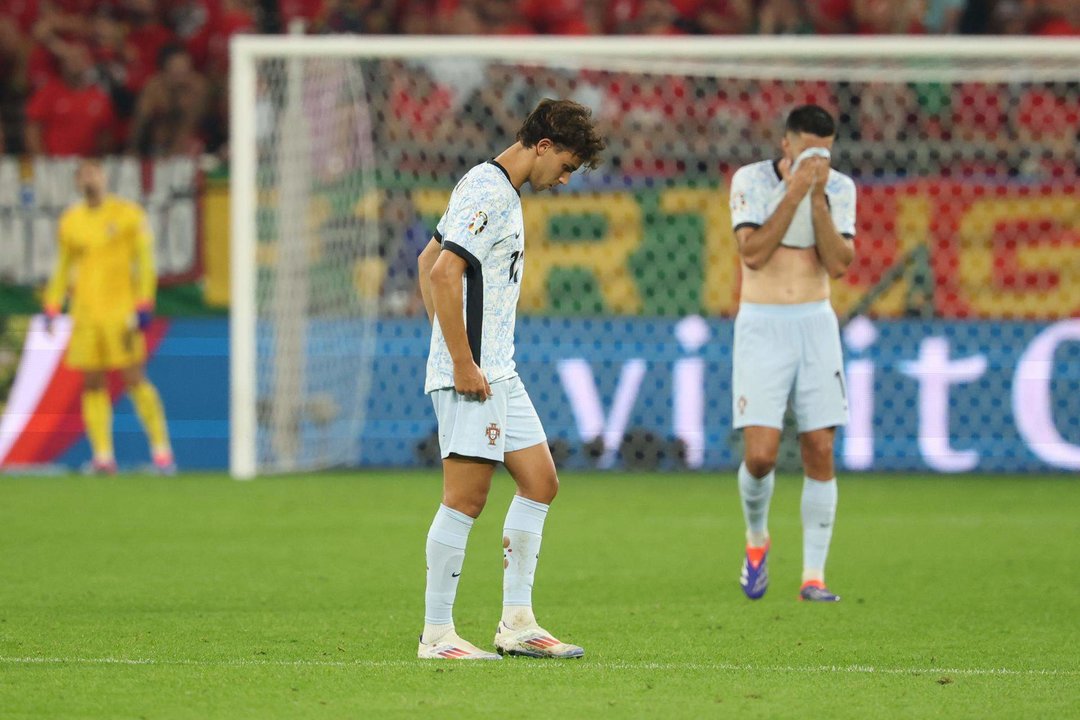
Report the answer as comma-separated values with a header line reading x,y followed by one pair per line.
x,y
788,351
503,423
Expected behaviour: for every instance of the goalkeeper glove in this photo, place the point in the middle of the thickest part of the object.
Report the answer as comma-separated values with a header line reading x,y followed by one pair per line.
x,y
144,314
51,311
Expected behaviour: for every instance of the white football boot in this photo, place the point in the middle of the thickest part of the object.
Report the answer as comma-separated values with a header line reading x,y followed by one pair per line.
x,y
533,641
451,647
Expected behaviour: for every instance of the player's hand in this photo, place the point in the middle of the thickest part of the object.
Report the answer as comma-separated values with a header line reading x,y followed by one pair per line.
x,y
50,318
469,380
800,181
143,317
821,176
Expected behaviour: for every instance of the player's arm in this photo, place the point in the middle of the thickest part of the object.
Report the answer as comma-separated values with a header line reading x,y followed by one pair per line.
x,y
35,113
34,144
834,249
425,262
757,244
192,114
56,290
141,120
446,289
146,271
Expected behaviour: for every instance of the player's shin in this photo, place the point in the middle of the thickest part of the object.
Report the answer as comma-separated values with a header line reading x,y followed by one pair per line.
x,y
755,494
148,407
818,515
522,533
446,541
97,416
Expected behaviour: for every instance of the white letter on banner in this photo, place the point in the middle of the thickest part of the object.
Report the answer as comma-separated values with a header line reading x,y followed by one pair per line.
x,y
580,385
688,389
859,335
935,373
1032,401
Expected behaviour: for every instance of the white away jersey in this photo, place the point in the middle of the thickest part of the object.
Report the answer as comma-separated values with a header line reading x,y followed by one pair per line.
x,y
483,226
757,189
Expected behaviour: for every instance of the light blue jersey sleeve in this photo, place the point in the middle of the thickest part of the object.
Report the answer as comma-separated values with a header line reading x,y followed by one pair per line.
x,y
748,201
842,206
476,216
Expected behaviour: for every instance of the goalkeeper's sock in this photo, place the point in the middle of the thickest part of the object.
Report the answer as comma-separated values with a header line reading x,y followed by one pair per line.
x,y
818,515
97,416
522,533
446,541
144,397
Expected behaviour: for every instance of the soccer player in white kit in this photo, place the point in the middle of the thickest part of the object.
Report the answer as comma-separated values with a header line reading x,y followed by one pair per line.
x,y
470,278
794,221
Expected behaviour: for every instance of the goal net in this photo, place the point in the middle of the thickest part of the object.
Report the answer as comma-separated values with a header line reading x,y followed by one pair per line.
x,y
344,151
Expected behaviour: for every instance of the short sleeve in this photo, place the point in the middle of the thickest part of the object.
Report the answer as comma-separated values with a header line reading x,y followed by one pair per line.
x,y
842,208
474,219
747,208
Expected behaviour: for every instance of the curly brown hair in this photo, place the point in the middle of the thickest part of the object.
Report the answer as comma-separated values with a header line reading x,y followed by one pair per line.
x,y
567,124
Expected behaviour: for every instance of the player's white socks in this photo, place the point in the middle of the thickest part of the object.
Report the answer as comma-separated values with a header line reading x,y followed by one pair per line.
x,y
818,516
446,542
522,533
756,494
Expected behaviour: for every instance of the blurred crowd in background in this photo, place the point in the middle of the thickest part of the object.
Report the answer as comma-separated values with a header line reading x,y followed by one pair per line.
x,y
149,77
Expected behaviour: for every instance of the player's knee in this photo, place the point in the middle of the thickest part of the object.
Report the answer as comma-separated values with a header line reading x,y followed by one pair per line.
x,y
132,377
471,504
759,463
94,381
817,449
548,490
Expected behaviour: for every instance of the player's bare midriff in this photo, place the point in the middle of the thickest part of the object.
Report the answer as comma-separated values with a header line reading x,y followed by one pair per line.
x,y
791,276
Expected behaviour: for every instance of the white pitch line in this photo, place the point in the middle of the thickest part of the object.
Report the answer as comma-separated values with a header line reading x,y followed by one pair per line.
x,y
614,665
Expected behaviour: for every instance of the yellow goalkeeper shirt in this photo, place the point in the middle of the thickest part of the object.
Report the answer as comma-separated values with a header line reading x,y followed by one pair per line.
x,y
106,257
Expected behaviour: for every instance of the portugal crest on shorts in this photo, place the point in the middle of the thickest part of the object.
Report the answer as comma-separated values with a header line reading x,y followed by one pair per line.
x,y
492,433
478,223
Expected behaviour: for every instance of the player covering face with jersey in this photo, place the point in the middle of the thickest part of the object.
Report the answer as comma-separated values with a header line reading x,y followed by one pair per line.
x,y
794,222
470,279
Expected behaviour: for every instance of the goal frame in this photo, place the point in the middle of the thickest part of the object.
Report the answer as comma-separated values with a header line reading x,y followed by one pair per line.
x,y
246,50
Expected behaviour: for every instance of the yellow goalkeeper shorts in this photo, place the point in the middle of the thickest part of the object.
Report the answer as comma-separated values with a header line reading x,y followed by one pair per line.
x,y
105,345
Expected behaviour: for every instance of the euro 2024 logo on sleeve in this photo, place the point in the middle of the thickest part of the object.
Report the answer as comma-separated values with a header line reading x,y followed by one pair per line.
x,y
478,223
739,202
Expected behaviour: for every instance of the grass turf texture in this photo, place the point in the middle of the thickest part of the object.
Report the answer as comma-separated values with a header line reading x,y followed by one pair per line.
x,y
303,596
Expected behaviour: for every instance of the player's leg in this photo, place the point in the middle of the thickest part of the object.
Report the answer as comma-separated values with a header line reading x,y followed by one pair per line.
x,y
466,482
820,406
529,462
756,482
818,510
86,353
97,417
469,454
761,446
534,473
127,350
763,371
144,396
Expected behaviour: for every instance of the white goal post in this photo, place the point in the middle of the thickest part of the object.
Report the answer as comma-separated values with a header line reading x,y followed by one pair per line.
x,y
270,177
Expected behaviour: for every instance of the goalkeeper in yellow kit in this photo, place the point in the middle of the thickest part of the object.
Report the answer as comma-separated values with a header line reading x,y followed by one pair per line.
x,y
106,258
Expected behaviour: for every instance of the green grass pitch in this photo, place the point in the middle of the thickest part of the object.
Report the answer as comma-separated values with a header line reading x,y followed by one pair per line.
x,y
302,597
